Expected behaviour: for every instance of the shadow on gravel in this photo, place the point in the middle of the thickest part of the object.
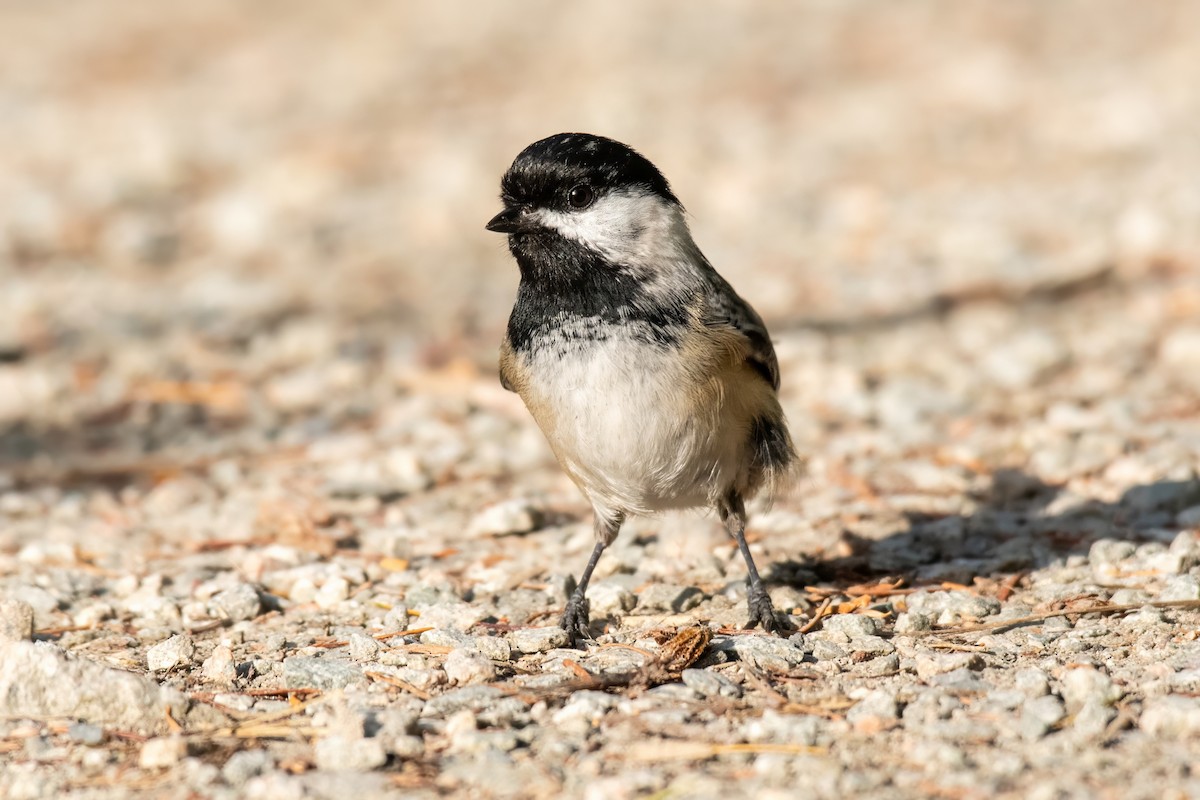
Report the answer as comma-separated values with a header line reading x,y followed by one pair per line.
x,y
1021,524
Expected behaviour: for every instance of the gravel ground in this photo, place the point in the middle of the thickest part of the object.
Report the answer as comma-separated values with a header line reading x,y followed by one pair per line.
x,y
270,528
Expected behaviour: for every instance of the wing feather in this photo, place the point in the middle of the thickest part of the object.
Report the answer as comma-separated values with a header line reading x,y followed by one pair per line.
x,y
726,309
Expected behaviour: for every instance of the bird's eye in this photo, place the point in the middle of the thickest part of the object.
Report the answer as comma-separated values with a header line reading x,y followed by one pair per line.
x,y
581,196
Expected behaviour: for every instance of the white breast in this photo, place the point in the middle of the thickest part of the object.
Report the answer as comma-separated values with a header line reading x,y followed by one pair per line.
x,y
633,426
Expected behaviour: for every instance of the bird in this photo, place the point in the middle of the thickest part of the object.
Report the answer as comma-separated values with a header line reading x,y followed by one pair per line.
x,y
655,384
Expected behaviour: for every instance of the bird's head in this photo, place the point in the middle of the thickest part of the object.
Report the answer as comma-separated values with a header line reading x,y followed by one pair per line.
x,y
579,193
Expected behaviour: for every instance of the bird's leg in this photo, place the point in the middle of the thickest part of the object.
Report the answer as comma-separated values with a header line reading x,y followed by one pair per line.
x,y
733,513
575,616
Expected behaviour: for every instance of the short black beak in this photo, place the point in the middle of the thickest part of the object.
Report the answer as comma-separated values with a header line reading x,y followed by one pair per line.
x,y
510,220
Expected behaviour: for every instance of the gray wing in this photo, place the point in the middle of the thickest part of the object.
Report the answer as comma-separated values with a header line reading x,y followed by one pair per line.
x,y
726,308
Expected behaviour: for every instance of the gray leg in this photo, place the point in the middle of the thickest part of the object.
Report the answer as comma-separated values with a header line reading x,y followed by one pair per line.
x,y
575,616
733,514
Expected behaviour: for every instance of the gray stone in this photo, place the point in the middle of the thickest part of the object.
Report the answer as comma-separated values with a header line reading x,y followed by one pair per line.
x,y
913,621
878,667
85,733
241,602
953,607
308,672
246,764
1091,720
876,710
823,650
778,728
872,646
496,648
1129,597
764,652
16,621
668,598
851,625
472,698
1181,587
707,683
447,637
452,616
1040,715
537,640
608,597
346,754
930,705
961,681
931,664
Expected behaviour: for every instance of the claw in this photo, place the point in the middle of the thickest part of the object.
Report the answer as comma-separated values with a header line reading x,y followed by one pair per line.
x,y
762,611
575,620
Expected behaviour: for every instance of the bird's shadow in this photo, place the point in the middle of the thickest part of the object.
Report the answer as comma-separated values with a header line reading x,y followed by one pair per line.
x,y
1020,524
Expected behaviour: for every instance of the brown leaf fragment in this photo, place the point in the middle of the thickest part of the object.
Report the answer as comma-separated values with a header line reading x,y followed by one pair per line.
x,y
685,648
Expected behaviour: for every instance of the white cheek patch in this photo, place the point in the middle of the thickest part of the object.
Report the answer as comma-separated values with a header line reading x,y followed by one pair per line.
x,y
632,228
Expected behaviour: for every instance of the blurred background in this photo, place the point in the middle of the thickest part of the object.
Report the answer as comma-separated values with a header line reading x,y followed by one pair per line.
x,y
224,223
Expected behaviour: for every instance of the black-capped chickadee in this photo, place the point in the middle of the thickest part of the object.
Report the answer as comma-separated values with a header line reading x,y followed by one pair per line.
x,y
653,381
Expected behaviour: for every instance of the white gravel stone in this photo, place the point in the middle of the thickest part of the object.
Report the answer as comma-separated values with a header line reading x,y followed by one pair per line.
x,y
238,603
850,625
606,598
1181,587
452,616
496,648
305,672
361,647
332,592
16,621
464,667
219,667
173,653
878,709
510,517
162,752
1171,717
1088,685
1040,715
931,664
343,754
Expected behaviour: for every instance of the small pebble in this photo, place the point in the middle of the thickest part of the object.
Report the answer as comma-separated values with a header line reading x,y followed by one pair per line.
x,y
464,667
174,652
307,672
1171,717
537,640
343,754
668,598
502,519
707,683
16,621
162,751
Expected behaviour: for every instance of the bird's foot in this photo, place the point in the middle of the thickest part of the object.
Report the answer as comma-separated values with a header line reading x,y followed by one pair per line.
x,y
762,612
575,620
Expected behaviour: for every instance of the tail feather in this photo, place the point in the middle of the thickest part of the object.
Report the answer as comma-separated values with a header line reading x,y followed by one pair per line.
x,y
775,464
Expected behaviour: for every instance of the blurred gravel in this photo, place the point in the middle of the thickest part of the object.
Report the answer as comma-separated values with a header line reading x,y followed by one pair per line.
x,y
276,531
